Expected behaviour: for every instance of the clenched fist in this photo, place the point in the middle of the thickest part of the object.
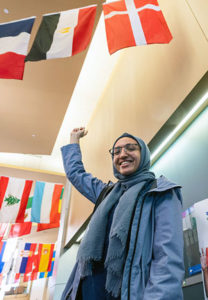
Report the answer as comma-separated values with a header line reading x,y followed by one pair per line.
x,y
76,134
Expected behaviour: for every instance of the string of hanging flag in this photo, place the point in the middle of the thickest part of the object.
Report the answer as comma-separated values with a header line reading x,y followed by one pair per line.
x,y
25,202
127,22
32,260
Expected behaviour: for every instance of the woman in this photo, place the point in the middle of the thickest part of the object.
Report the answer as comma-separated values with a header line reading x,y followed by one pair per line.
x,y
133,248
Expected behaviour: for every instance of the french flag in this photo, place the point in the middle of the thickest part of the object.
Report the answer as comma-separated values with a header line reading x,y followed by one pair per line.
x,y
14,40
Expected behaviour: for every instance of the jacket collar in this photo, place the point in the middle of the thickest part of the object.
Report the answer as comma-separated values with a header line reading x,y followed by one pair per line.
x,y
163,184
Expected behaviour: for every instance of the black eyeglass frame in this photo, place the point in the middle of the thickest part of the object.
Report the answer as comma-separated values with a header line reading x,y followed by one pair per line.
x,y
111,151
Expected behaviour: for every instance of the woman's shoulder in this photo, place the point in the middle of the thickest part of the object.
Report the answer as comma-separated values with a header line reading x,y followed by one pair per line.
x,y
162,184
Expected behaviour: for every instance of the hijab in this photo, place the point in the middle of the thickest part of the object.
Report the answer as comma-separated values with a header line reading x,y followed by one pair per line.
x,y
127,193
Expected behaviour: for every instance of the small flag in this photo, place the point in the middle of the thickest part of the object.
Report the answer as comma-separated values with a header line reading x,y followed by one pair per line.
x,y
134,22
45,205
7,250
46,254
49,273
16,277
30,276
13,278
14,40
20,229
63,34
24,260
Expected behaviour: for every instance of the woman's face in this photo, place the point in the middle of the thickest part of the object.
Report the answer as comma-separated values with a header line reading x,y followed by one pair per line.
x,y
127,160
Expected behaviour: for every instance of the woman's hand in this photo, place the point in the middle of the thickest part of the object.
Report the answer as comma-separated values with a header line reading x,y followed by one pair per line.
x,y
76,134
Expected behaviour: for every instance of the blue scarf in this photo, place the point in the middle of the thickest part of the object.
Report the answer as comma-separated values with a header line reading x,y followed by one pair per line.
x,y
128,192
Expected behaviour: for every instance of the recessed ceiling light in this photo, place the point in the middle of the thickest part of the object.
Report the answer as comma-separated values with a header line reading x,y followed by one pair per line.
x,y
6,11
33,135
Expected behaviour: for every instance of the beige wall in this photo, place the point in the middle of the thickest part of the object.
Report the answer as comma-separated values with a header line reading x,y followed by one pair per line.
x,y
31,174
146,87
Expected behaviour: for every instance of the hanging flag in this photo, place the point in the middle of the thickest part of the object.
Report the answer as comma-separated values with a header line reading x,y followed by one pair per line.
x,y
20,229
134,22
2,249
14,40
13,278
3,228
63,34
14,193
46,254
24,259
7,250
49,273
42,227
45,205
30,276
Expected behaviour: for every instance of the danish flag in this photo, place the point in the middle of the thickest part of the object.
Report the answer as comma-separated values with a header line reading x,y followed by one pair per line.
x,y
134,22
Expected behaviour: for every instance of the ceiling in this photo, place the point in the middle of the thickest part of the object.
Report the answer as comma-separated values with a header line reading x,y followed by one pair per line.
x,y
32,109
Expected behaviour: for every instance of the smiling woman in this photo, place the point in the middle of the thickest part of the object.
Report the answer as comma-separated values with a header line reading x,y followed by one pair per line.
x,y
126,252
126,155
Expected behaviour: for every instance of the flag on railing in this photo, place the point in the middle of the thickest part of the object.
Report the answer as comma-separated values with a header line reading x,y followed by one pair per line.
x,y
45,204
14,40
63,34
14,193
134,22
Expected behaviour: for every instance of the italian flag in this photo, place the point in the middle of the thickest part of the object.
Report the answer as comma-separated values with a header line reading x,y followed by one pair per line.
x,y
14,194
63,34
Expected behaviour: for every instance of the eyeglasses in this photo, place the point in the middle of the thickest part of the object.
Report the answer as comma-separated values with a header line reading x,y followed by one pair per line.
x,y
127,148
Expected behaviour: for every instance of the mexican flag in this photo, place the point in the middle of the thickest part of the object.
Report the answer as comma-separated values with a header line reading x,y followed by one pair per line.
x,y
63,34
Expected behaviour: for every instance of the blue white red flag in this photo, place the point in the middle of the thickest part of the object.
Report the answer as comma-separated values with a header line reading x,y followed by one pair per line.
x,y
23,262
14,40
